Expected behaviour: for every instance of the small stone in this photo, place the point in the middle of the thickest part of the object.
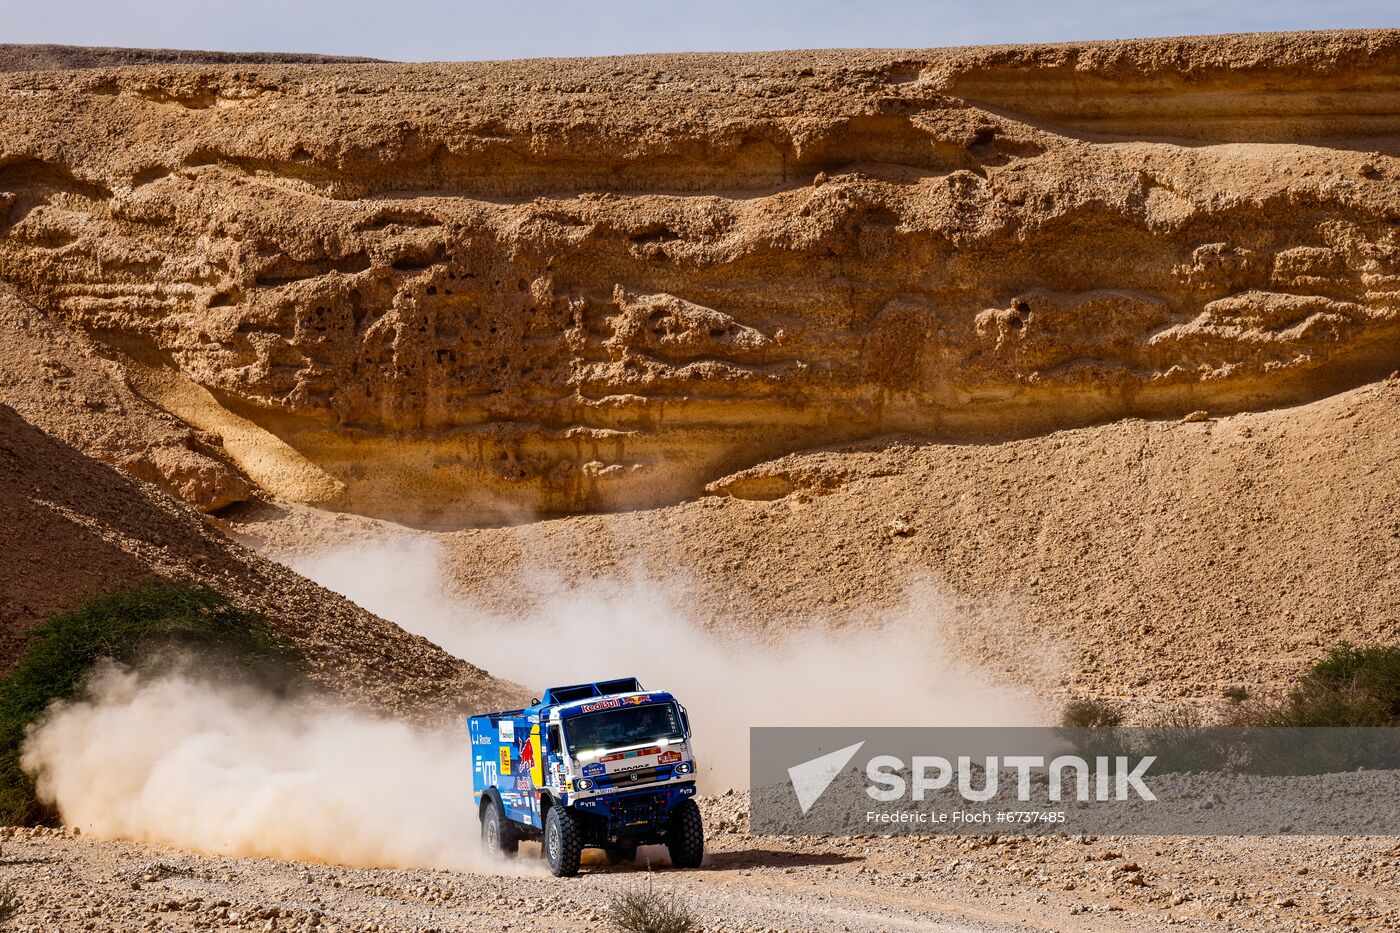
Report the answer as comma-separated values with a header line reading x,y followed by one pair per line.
x,y
1196,417
899,528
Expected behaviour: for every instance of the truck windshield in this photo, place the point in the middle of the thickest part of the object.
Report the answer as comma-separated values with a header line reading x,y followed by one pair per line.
x,y
627,725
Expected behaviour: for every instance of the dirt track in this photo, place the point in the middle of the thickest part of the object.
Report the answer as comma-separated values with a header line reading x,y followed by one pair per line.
x,y
748,884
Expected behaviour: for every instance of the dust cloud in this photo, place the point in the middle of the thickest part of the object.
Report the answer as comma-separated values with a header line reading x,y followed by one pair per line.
x,y
894,670
176,760
209,767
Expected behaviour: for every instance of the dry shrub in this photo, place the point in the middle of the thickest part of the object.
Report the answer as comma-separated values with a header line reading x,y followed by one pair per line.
x,y
1091,714
642,910
9,903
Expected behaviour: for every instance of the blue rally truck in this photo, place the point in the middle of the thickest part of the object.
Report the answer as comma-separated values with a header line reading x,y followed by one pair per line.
x,y
605,765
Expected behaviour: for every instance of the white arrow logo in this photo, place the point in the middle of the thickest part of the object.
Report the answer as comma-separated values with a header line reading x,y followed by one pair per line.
x,y
811,778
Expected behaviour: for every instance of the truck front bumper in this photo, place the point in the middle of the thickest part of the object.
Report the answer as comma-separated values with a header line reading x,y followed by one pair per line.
x,y
637,817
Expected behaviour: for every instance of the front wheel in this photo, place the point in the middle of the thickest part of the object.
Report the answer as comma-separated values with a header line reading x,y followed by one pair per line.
x,y
498,836
563,842
685,839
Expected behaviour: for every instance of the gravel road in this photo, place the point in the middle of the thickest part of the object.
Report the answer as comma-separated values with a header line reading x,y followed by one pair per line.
x,y
749,884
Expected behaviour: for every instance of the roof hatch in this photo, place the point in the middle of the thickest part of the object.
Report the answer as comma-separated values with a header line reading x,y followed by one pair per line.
x,y
602,688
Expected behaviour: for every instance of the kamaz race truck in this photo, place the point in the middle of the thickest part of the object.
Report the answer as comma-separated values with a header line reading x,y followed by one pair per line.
x,y
605,765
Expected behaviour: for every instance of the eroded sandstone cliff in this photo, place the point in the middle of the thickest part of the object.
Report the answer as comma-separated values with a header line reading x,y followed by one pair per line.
x,y
462,293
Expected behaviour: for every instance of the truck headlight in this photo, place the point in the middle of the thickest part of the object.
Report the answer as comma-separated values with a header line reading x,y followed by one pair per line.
x,y
685,767
583,784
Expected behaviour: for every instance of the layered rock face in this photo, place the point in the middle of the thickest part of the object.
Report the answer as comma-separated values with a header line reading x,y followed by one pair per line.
x,y
454,294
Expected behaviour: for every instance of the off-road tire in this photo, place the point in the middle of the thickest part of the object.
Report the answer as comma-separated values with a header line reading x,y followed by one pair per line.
x,y
563,842
498,836
685,839
616,856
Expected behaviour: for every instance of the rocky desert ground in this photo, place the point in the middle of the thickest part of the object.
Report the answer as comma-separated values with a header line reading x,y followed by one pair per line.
x,y
754,884
1081,360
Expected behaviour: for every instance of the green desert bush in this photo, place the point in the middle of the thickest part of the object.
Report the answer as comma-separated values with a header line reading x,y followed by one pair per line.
x,y
143,625
1350,686
642,910
1372,671
1357,687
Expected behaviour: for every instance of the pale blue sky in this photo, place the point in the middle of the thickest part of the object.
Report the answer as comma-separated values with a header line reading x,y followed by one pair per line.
x,y
420,30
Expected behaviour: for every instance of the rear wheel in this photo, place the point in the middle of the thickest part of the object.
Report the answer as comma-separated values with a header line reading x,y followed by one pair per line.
x,y
617,856
563,842
498,836
685,839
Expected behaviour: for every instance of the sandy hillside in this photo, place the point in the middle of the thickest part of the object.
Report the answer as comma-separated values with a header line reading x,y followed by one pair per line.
x,y
57,379
1147,561
74,528
1156,559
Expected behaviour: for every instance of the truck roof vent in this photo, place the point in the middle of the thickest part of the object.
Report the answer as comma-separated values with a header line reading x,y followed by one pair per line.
x,y
621,685
569,694
584,691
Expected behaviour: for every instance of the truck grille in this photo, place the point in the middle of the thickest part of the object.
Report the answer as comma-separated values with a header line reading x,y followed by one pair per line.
x,y
630,778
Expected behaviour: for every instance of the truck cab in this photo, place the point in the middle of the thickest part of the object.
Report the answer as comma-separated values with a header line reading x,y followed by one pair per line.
x,y
603,765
